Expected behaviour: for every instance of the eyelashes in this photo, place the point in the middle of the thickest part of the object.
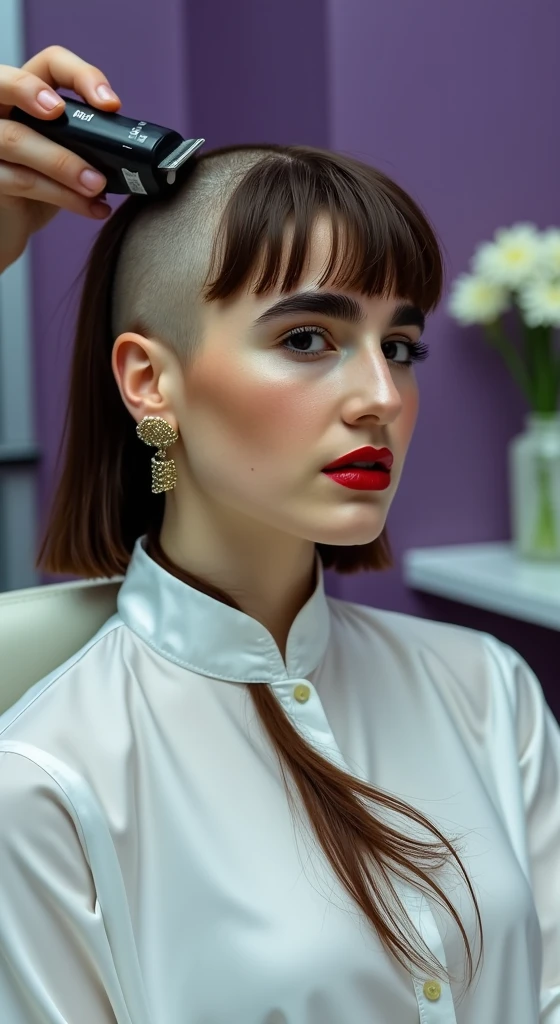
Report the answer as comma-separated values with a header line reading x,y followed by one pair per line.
x,y
416,352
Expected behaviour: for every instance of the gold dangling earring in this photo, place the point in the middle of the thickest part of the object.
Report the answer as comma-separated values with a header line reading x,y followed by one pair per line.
x,y
156,431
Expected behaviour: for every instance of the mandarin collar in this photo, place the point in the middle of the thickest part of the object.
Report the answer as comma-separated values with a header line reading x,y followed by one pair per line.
x,y
204,635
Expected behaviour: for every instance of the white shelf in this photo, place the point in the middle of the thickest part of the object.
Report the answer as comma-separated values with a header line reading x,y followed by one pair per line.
x,y
488,576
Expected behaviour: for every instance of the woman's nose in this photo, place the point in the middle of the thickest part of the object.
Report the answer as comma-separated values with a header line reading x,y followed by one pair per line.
x,y
371,391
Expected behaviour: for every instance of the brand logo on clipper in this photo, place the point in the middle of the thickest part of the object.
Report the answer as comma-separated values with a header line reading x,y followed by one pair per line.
x,y
82,115
134,133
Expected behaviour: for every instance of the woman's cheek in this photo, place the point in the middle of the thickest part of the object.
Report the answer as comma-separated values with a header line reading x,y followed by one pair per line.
x,y
258,410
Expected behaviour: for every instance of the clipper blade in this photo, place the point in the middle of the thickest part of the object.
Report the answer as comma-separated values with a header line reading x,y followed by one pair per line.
x,y
178,157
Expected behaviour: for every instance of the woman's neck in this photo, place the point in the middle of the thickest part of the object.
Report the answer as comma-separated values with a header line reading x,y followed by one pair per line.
x,y
271,584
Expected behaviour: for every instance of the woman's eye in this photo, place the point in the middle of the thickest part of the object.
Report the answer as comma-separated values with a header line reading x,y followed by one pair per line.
x,y
305,342
404,352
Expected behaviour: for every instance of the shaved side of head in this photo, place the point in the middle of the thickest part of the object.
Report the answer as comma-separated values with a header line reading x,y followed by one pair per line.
x,y
166,255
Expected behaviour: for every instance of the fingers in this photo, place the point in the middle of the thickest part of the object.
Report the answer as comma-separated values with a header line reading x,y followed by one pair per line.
x,y
46,71
24,147
35,167
24,182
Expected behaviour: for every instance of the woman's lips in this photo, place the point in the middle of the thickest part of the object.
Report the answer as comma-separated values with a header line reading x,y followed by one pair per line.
x,y
361,479
357,478
366,454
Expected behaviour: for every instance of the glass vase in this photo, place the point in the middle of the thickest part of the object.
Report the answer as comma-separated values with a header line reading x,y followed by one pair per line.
x,y
534,477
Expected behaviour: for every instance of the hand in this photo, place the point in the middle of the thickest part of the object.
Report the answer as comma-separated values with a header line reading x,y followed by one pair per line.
x,y
37,176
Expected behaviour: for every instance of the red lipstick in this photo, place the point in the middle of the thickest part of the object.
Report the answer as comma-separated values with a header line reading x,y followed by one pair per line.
x,y
375,476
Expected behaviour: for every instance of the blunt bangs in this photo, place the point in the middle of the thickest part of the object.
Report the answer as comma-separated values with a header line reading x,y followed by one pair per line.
x,y
382,242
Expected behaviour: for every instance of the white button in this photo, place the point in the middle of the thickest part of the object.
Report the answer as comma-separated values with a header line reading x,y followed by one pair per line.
x,y
302,693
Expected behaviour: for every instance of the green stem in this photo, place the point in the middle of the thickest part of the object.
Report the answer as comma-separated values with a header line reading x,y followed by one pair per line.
x,y
514,362
543,367
545,538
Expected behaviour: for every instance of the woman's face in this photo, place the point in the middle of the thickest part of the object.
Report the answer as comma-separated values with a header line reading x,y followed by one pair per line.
x,y
258,421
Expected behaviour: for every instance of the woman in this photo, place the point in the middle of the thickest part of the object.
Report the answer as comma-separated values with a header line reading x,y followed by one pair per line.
x,y
242,801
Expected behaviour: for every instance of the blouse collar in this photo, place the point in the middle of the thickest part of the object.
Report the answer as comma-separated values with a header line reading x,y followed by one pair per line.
x,y
208,637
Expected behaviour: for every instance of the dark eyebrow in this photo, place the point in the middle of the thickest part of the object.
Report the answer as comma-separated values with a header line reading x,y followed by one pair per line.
x,y
341,307
406,315
328,303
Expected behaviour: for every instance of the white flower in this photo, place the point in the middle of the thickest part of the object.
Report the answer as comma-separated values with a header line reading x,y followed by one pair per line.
x,y
474,300
550,253
539,302
512,258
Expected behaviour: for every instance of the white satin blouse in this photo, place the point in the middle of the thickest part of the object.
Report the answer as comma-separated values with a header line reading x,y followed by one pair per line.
x,y
152,871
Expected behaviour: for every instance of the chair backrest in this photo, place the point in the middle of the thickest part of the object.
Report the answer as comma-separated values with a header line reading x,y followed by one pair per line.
x,y
40,627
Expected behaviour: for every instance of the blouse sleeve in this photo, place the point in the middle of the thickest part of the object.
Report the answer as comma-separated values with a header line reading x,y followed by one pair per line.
x,y
56,962
538,765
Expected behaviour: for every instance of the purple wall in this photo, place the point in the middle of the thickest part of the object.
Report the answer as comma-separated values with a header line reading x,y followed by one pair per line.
x,y
259,71
457,102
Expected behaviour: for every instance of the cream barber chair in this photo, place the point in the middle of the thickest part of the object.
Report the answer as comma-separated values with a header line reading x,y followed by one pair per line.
x,y
40,627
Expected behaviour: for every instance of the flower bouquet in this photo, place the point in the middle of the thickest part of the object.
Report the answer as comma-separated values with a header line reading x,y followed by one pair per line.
x,y
518,273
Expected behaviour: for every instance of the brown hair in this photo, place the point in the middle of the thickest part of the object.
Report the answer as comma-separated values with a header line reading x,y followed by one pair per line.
x,y
382,243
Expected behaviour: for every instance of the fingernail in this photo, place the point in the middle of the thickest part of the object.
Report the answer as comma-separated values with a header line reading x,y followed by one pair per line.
x,y
92,180
105,93
48,100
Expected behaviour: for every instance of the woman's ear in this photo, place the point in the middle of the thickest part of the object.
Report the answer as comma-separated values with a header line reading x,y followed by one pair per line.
x,y
142,368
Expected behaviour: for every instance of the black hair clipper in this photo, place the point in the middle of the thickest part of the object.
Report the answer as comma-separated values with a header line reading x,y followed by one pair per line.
x,y
135,156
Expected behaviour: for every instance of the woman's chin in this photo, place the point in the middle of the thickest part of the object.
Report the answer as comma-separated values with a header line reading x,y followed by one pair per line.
x,y
353,529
